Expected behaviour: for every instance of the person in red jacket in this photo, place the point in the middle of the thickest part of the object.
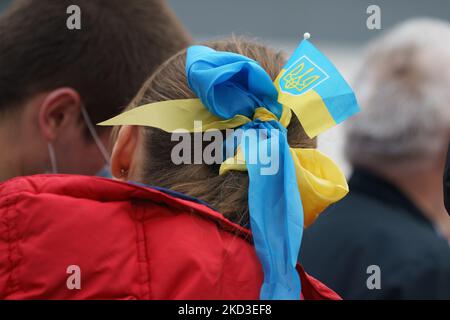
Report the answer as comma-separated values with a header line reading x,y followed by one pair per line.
x,y
221,230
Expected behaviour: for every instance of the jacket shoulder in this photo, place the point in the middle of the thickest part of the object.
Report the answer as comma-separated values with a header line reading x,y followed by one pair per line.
x,y
129,242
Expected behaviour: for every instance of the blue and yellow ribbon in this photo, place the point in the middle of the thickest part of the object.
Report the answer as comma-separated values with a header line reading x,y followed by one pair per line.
x,y
235,91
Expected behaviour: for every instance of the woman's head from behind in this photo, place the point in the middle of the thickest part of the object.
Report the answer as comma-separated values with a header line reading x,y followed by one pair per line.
x,y
144,154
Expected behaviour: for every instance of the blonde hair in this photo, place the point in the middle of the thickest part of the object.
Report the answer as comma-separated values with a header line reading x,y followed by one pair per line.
x,y
226,193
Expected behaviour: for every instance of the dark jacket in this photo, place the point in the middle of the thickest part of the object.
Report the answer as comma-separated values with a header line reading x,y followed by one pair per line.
x,y
377,225
447,181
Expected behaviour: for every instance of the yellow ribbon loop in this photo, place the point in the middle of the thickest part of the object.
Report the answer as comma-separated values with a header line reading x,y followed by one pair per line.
x,y
173,115
320,181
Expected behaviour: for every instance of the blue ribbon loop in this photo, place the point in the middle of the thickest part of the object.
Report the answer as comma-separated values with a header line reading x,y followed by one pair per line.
x,y
229,84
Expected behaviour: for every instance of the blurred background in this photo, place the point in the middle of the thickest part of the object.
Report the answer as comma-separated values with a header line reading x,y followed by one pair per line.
x,y
4,4
338,28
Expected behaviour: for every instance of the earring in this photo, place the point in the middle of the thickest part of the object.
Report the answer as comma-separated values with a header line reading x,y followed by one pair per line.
x,y
123,173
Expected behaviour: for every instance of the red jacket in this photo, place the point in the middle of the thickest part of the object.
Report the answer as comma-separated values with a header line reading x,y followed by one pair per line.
x,y
130,242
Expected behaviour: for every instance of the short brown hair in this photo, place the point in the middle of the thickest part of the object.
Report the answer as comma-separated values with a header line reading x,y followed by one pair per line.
x,y
226,193
119,45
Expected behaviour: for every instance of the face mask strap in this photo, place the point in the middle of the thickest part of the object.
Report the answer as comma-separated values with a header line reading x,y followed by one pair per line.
x,y
51,153
95,136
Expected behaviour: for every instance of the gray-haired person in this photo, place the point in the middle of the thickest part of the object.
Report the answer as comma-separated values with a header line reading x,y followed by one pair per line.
x,y
447,181
388,238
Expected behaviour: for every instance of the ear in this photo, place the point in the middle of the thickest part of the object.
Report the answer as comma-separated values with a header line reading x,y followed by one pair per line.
x,y
124,152
60,109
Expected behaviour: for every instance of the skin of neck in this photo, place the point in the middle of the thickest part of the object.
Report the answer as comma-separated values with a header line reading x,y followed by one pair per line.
x,y
8,164
23,152
11,157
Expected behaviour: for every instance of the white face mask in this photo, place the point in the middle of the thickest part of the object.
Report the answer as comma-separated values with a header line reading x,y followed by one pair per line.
x,y
51,153
105,171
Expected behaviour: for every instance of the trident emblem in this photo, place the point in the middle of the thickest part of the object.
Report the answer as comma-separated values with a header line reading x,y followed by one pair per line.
x,y
299,79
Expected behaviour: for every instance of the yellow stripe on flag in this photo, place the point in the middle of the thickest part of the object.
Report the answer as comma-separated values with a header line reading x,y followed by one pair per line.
x,y
309,108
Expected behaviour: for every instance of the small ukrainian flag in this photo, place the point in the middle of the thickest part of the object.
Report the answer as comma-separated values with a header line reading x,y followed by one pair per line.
x,y
312,87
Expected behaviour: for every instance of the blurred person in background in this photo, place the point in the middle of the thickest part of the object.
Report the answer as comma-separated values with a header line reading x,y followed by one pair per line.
x,y
447,181
394,217
56,82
